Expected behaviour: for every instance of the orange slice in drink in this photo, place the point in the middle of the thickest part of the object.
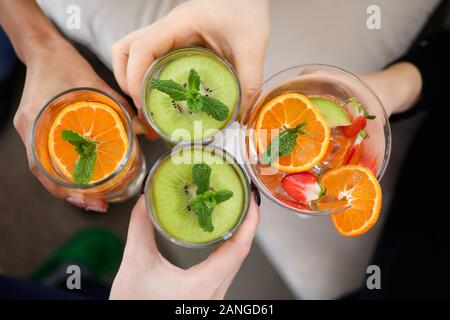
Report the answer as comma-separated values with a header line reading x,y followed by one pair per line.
x,y
287,111
95,121
337,152
353,186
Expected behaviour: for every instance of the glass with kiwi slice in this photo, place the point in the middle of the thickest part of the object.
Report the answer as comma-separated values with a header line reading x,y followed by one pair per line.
x,y
190,94
197,195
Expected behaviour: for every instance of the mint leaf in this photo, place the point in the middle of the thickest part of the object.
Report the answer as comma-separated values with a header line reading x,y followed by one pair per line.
x,y
81,144
203,206
204,216
206,200
214,108
72,137
283,144
222,195
176,91
194,99
84,167
193,81
201,173
194,105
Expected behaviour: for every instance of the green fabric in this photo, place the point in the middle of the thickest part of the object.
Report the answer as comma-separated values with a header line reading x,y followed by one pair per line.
x,y
99,250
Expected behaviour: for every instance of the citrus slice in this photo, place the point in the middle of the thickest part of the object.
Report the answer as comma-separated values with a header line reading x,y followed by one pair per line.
x,y
95,121
337,152
353,186
287,111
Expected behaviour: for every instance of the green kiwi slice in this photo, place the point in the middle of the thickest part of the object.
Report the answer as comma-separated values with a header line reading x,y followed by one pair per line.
x,y
173,187
217,80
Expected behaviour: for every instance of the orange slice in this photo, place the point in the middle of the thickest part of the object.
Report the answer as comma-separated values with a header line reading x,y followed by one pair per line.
x,y
287,111
354,186
337,152
95,121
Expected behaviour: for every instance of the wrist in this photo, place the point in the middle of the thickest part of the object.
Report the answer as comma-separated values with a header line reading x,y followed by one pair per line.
x,y
39,46
398,86
404,86
28,29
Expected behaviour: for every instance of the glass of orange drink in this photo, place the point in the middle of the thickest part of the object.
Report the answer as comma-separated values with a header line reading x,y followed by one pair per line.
x,y
83,141
317,141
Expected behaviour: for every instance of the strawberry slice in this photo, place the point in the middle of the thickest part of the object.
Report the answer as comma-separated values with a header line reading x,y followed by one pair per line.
x,y
356,146
358,123
359,120
302,187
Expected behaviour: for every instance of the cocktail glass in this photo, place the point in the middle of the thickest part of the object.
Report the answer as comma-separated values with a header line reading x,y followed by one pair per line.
x,y
179,153
126,179
315,80
201,131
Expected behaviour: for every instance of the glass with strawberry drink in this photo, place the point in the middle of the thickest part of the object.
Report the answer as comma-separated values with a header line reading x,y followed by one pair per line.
x,y
317,142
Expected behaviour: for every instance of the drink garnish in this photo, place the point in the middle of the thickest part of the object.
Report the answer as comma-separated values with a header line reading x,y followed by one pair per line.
x,y
196,102
303,187
283,144
206,199
359,122
86,148
360,108
201,173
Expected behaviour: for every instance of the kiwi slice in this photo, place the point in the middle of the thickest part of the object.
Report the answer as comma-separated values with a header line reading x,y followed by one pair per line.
x,y
335,115
173,187
216,81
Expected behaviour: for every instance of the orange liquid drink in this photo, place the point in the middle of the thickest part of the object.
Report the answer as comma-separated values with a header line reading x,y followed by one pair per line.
x,y
83,141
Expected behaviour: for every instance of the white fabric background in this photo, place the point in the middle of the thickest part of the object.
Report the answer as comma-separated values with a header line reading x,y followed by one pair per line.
x,y
313,259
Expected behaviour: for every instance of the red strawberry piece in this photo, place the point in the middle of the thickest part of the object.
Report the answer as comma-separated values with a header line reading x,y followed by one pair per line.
x,y
359,120
357,125
302,187
356,145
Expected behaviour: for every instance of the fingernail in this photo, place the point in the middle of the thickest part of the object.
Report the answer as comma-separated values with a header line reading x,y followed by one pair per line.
x,y
97,209
75,201
256,194
144,183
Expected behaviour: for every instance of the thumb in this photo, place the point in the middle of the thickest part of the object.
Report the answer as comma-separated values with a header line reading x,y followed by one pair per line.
x,y
249,65
141,236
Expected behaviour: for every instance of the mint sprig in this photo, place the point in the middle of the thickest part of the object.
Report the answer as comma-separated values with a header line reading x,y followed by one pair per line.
x,y
283,144
201,173
84,167
176,91
206,199
196,102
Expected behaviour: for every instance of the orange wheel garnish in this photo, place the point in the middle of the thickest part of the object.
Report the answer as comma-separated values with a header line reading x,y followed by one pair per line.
x,y
353,186
287,111
95,121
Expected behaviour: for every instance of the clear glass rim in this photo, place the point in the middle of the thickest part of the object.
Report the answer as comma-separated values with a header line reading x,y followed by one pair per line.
x,y
130,136
150,210
149,73
387,135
